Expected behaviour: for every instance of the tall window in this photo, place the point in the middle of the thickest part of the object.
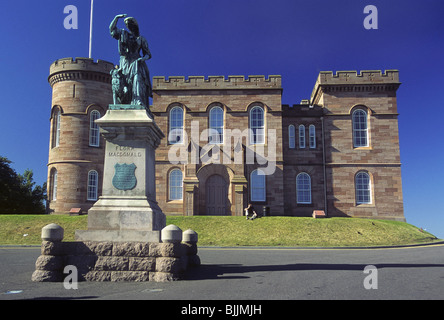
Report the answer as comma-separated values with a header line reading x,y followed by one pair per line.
x,y
363,188
360,128
175,185
175,133
312,136
301,136
257,185
94,136
303,188
291,137
257,126
54,185
93,184
56,129
216,135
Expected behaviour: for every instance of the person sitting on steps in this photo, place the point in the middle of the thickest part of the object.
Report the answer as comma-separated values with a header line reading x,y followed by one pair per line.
x,y
250,213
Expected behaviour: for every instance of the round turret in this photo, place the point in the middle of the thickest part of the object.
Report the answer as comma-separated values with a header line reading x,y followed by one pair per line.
x,y
81,93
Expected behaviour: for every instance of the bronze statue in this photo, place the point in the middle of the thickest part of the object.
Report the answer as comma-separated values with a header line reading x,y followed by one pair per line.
x,y
133,73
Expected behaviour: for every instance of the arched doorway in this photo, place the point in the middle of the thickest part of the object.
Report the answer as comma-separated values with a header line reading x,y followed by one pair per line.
x,y
216,195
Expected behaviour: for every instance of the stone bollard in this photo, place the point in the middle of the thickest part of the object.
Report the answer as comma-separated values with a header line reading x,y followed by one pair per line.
x,y
171,264
52,232
49,267
189,239
171,234
189,236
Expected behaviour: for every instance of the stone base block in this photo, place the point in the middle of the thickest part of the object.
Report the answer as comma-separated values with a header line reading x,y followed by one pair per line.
x,y
115,261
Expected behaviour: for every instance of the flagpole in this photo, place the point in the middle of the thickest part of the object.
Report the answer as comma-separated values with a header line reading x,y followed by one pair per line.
x,y
90,28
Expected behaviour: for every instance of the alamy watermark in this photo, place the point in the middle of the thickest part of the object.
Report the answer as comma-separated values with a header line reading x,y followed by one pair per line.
x,y
71,21
371,20
71,280
72,18
371,281
227,149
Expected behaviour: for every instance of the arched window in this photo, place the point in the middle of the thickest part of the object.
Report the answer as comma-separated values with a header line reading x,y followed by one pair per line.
x,y
257,125
363,188
94,136
360,128
56,129
301,136
53,180
175,133
175,185
93,185
312,136
291,137
303,188
216,134
258,185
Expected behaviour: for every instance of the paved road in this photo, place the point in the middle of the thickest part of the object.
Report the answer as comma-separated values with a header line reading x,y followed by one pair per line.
x,y
257,274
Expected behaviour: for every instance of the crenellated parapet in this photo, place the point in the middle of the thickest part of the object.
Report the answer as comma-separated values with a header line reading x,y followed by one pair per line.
x,y
365,76
217,82
352,81
67,69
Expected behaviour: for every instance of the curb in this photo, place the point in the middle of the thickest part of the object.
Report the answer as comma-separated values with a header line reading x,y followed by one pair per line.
x,y
276,248
326,248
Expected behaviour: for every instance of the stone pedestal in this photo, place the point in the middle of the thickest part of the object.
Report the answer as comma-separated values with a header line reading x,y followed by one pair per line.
x,y
127,210
167,260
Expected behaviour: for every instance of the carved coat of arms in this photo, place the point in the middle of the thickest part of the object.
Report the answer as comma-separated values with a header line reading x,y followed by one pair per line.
x,y
124,176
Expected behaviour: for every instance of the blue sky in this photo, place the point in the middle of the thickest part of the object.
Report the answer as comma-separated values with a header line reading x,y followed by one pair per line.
x,y
292,38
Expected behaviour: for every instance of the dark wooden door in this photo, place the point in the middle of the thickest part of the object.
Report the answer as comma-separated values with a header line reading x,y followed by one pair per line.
x,y
216,195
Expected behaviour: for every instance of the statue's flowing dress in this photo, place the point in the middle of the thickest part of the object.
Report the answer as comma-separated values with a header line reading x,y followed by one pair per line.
x,y
135,71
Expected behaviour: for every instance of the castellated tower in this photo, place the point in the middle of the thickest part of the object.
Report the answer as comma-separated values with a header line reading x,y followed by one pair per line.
x,y
81,93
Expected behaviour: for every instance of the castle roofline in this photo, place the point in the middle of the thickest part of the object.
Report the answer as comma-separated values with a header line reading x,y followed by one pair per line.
x,y
79,69
352,80
364,76
80,64
217,82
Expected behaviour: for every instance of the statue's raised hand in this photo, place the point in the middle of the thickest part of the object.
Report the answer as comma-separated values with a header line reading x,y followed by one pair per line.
x,y
121,16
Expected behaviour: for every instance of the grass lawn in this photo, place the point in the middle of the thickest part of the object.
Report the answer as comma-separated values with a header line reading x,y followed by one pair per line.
x,y
237,231
296,231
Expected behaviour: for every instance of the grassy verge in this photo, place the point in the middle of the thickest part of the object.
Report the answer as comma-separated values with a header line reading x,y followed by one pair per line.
x,y
237,231
293,231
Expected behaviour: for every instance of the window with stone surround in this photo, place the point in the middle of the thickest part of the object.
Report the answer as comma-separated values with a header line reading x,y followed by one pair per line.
x,y
56,128
175,182
257,185
53,180
94,135
175,132
216,125
312,136
257,125
360,128
291,137
301,136
93,185
363,188
303,188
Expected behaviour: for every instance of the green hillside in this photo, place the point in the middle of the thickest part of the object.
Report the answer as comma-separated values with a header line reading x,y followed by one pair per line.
x,y
237,231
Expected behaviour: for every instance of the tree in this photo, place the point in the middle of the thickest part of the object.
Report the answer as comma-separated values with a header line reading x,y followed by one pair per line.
x,y
18,193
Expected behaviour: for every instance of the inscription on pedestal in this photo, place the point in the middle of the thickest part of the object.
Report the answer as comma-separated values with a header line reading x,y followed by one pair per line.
x,y
124,176
124,152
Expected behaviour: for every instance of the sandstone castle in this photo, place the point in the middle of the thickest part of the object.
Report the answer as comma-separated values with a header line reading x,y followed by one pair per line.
x,y
231,141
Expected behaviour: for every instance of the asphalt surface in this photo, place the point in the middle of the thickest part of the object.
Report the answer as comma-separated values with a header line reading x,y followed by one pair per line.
x,y
255,274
